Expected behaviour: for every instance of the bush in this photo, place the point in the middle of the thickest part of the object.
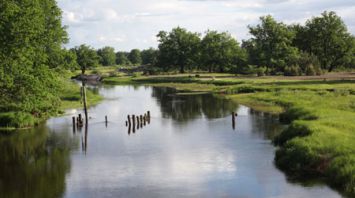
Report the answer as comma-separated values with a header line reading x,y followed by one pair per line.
x,y
293,70
16,119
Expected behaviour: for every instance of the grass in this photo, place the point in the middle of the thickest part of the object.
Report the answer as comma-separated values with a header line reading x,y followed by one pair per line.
x,y
320,139
71,98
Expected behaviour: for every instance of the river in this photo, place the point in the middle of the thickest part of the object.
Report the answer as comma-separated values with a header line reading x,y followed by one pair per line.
x,y
189,149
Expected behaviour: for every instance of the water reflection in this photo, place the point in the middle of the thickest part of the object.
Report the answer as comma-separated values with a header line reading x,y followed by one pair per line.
x,y
185,108
208,160
34,163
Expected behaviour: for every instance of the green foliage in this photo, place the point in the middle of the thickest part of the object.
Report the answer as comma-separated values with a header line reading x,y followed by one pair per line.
x,y
178,49
135,57
220,51
86,57
16,119
328,38
271,45
149,56
107,56
122,58
29,49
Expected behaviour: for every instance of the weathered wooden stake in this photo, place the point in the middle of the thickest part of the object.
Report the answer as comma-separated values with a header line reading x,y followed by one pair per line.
x,y
233,120
137,122
126,123
106,121
134,123
73,118
144,119
85,103
148,117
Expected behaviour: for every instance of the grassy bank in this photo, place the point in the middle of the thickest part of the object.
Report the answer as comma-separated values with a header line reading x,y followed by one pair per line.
x,y
320,140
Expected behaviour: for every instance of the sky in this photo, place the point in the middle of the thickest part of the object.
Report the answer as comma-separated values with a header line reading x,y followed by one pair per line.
x,y
129,24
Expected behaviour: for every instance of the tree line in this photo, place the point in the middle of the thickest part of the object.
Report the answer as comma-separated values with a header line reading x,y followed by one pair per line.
x,y
322,44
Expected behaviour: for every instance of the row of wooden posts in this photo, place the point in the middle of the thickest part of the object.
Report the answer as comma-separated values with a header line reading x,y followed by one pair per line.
x,y
137,121
134,120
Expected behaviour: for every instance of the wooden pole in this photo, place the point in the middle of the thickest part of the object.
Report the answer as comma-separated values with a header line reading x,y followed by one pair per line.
x,y
85,103
106,120
137,122
73,118
145,119
134,123
233,120
148,117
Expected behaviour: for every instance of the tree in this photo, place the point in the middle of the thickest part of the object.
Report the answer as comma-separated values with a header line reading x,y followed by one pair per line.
x,y
122,58
135,57
86,57
219,50
178,48
328,38
149,56
107,56
271,45
31,32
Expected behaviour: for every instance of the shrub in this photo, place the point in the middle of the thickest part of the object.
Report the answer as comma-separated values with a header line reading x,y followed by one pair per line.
x,y
16,119
293,70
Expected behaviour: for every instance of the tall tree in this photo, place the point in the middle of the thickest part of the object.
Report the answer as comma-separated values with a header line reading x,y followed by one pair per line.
x,y
149,56
219,50
271,44
122,58
86,57
135,57
326,37
178,48
107,56
31,31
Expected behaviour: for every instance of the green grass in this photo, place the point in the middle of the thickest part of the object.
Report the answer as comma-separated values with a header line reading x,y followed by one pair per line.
x,y
320,139
71,98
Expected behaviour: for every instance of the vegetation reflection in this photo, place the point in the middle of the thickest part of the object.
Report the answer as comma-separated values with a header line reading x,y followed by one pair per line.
x,y
34,163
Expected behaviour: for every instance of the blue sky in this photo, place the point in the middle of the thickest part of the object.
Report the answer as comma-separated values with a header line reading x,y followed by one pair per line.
x,y
128,24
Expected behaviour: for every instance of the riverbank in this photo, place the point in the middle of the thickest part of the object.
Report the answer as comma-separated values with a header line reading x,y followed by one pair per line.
x,y
321,112
69,98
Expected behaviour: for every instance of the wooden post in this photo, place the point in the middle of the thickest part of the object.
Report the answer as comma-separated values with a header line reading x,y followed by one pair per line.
x,y
134,123
106,121
233,120
85,103
144,119
148,117
141,120
137,122
73,118
126,123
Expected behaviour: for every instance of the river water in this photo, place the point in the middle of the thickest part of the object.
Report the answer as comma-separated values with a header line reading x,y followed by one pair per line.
x,y
189,149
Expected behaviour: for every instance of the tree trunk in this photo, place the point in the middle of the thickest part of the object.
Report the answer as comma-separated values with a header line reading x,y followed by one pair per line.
x,y
182,69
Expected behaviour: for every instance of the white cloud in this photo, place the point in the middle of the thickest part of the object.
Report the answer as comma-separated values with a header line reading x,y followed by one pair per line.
x,y
133,24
